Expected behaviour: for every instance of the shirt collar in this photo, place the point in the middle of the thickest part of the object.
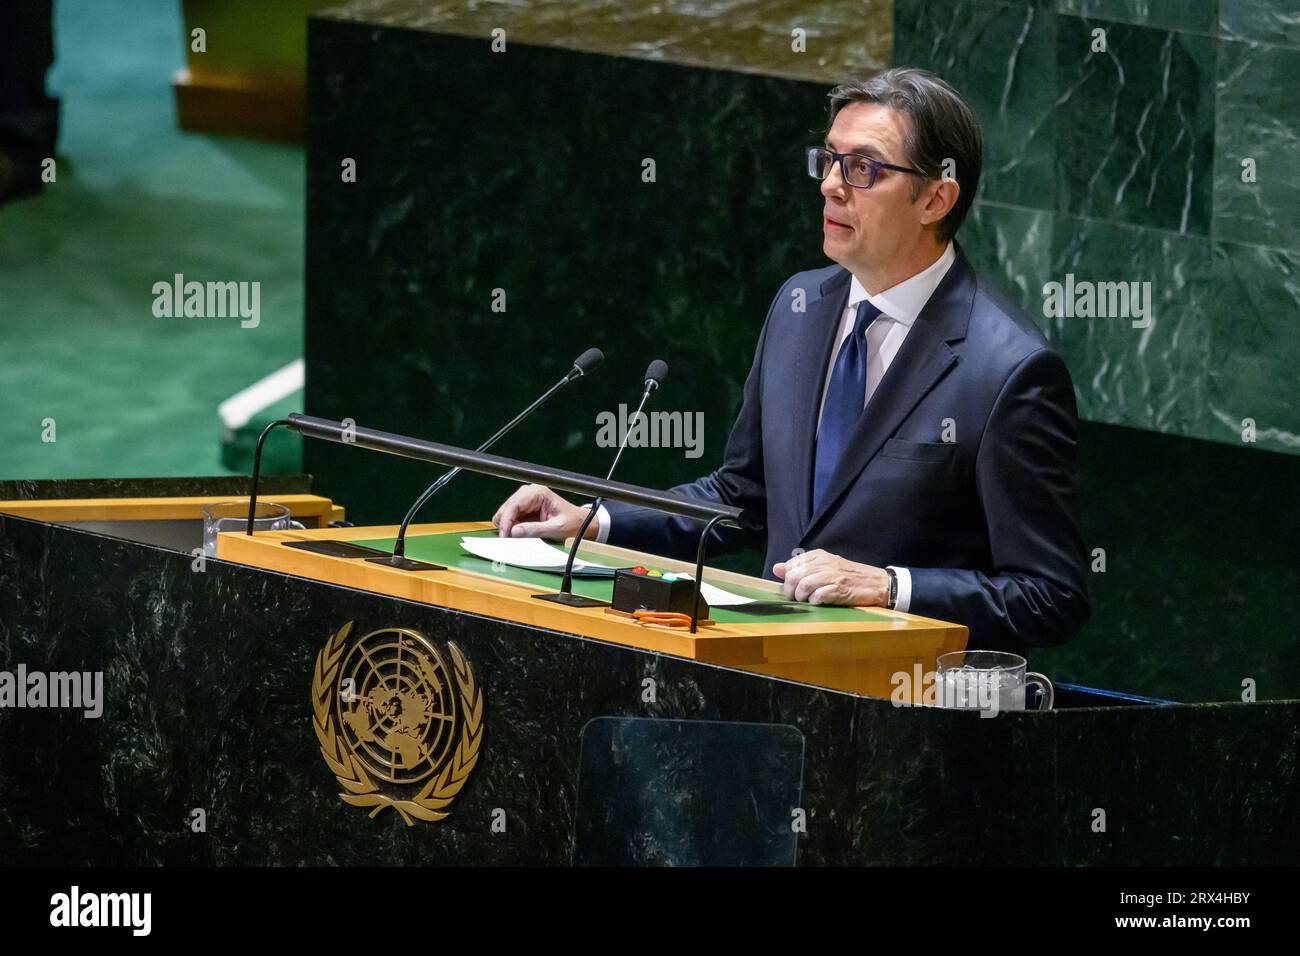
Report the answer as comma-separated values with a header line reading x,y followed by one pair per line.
x,y
904,301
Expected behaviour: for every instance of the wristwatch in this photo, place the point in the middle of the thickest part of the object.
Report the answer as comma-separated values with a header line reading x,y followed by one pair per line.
x,y
893,588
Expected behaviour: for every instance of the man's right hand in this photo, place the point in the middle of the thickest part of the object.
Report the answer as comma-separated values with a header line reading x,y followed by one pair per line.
x,y
535,511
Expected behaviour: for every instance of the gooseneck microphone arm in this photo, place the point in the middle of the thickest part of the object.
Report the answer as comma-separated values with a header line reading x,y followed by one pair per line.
x,y
582,365
257,467
654,375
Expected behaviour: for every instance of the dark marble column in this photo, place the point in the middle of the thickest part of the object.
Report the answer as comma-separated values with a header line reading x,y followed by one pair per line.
x,y
524,171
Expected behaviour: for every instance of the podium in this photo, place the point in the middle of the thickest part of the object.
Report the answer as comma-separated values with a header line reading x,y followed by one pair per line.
x,y
242,722
850,649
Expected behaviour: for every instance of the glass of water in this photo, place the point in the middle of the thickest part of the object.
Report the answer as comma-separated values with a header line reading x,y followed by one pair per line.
x,y
233,516
988,681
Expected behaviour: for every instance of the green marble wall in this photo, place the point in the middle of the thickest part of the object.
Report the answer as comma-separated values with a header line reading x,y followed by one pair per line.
x,y
1126,165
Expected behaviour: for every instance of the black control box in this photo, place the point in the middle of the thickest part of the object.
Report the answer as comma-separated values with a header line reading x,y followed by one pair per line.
x,y
638,588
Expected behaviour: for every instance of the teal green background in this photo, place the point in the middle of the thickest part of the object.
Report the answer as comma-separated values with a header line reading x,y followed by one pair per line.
x,y
137,200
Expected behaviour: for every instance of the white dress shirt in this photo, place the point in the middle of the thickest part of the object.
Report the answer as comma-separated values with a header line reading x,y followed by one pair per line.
x,y
899,306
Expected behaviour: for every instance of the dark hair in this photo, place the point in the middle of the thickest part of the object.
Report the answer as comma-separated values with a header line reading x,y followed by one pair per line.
x,y
943,127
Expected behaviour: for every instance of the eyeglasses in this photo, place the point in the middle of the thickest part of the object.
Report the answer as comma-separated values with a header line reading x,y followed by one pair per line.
x,y
855,169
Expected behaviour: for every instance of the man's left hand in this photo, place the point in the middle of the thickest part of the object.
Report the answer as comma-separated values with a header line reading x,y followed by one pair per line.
x,y
821,578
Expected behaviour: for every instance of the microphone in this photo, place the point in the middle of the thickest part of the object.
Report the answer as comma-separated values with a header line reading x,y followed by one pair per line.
x,y
654,376
584,364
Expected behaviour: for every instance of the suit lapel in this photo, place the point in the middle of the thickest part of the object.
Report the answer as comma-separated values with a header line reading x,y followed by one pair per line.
x,y
923,359
808,376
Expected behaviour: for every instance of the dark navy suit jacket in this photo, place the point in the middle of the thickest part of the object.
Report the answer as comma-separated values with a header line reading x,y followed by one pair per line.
x,y
986,523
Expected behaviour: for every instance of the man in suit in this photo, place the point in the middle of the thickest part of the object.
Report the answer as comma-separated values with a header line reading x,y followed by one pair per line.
x,y
907,437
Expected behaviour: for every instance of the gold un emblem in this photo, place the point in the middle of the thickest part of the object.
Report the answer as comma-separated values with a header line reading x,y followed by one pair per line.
x,y
396,725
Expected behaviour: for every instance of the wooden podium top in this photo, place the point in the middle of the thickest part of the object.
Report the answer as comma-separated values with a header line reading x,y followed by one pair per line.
x,y
170,508
859,654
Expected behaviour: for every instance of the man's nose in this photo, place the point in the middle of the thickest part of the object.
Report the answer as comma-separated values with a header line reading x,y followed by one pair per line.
x,y
833,184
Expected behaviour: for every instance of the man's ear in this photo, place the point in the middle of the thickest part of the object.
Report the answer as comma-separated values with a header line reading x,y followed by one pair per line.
x,y
939,197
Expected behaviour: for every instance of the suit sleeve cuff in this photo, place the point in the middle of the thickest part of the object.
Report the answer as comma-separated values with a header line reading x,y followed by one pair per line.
x,y
904,588
602,524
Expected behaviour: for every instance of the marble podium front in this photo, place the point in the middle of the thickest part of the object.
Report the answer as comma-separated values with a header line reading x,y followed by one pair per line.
x,y
207,678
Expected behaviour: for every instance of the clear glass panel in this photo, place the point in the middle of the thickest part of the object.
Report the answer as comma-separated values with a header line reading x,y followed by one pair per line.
x,y
687,793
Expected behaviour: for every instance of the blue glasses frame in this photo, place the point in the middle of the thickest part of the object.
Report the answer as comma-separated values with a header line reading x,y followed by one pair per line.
x,y
819,155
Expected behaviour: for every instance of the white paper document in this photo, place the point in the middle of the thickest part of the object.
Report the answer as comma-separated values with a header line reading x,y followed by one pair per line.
x,y
717,597
532,553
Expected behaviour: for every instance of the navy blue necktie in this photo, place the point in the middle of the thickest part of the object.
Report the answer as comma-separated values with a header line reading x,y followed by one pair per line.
x,y
845,397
